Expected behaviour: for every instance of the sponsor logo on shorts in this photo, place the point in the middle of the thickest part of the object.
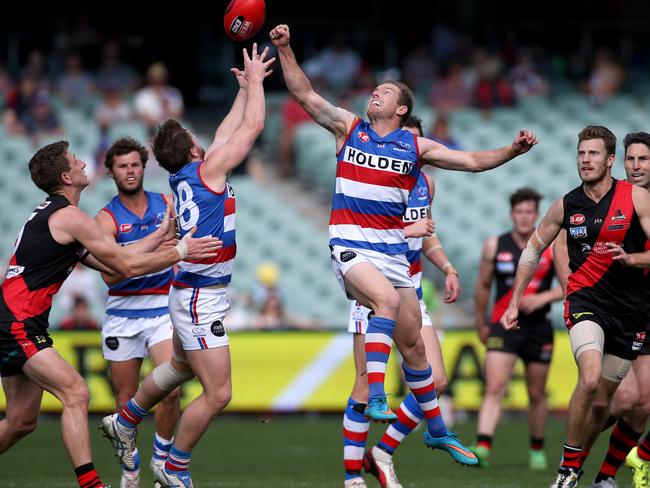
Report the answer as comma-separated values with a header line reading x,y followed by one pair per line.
x,y
577,219
577,315
363,136
495,343
578,232
619,215
112,343
358,313
217,328
347,256
126,228
198,331
639,339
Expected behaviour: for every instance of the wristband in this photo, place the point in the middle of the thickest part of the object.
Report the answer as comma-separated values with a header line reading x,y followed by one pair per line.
x,y
181,247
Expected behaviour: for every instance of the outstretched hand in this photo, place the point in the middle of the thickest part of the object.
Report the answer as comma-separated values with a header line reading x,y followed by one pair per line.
x,y
524,141
280,35
242,75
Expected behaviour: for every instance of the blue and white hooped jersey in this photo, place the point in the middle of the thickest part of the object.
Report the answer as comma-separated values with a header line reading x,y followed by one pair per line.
x,y
374,178
417,209
213,214
141,296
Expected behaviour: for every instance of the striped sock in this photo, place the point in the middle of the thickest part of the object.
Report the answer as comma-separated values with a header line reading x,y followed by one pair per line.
x,y
571,457
409,415
355,434
178,461
644,448
87,477
132,414
484,440
161,447
536,443
379,340
424,390
136,461
621,441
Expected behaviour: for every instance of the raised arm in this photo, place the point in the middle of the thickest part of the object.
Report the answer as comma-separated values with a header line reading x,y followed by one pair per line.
x,y
438,155
545,234
334,119
71,224
483,287
234,118
222,159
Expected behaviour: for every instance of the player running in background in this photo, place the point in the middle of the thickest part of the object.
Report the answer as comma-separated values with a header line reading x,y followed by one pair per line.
x,y
532,342
605,301
55,237
379,459
378,164
137,321
198,300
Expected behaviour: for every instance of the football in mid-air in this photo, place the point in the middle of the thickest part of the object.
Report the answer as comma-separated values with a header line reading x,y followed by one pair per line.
x,y
244,18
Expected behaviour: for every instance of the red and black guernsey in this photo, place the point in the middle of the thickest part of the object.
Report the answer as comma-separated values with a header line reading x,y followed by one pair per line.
x,y
37,269
596,280
506,260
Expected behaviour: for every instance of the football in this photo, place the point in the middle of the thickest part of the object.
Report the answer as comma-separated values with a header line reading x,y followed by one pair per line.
x,y
244,18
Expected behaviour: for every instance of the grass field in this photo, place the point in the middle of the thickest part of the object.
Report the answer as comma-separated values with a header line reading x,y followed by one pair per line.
x,y
297,451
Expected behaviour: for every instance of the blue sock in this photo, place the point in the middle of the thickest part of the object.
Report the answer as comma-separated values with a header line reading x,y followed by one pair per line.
x,y
355,434
424,391
178,461
409,415
379,340
132,414
161,447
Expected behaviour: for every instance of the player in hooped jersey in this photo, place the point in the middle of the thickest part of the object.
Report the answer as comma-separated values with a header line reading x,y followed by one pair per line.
x,y
198,300
379,459
631,403
378,164
533,342
55,237
137,321
607,223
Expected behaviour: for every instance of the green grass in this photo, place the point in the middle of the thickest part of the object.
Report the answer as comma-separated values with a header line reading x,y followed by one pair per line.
x,y
300,451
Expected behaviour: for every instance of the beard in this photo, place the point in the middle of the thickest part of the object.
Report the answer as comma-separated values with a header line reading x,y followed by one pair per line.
x,y
130,191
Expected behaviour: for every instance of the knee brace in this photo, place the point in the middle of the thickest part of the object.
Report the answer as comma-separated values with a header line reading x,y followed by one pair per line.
x,y
166,377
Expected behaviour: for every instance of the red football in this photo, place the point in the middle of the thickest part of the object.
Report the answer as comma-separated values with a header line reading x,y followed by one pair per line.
x,y
244,18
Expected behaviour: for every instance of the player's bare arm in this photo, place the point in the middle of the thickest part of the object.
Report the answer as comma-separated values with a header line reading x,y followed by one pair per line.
x,y
421,228
546,232
230,154
483,287
334,119
641,199
71,224
438,155
234,118
561,260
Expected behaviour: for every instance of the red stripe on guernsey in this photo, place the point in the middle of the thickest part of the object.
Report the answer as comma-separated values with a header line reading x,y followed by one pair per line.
x,y
24,303
161,290
356,122
377,177
355,436
501,304
229,207
343,216
223,255
378,347
376,377
596,265
416,267
18,331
